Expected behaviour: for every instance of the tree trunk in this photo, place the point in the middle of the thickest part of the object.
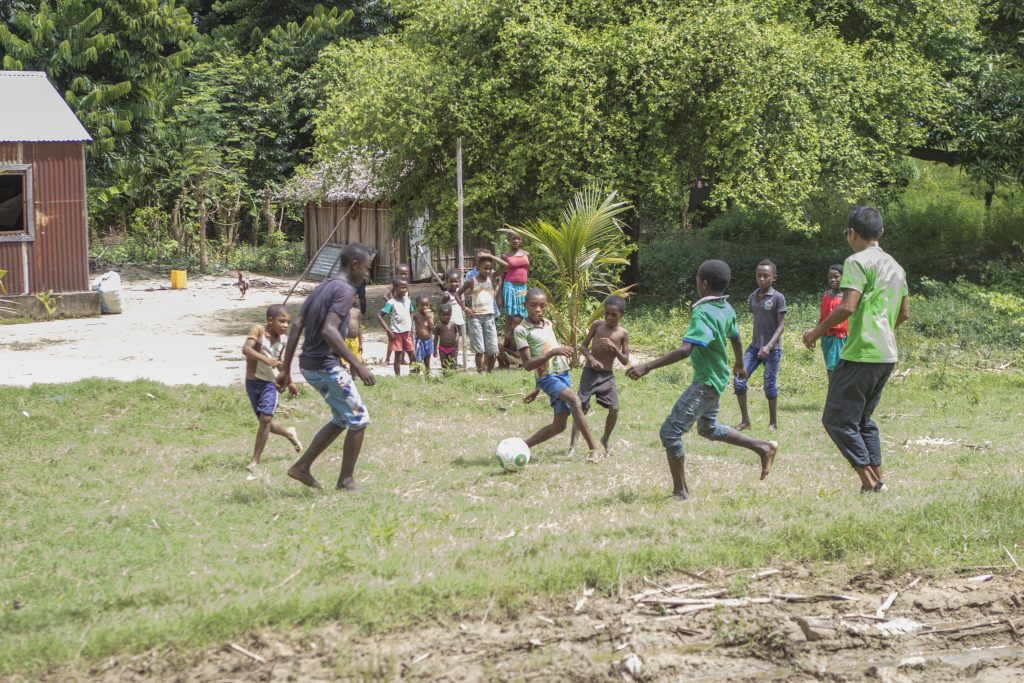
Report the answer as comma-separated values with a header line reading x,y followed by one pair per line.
x,y
176,231
201,205
268,211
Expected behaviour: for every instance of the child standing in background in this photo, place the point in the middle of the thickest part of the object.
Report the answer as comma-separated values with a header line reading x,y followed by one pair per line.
x,y
483,335
423,321
768,308
835,338
446,336
402,272
262,350
398,325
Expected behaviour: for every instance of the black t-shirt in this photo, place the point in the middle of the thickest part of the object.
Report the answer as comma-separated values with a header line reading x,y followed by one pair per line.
x,y
334,295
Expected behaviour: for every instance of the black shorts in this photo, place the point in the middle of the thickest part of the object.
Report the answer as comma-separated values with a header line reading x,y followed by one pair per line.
x,y
601,385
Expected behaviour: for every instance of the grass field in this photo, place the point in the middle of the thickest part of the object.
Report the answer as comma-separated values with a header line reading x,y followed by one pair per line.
x,y
127,521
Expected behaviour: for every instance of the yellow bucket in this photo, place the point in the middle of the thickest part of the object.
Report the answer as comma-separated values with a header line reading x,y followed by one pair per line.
x,y
179,279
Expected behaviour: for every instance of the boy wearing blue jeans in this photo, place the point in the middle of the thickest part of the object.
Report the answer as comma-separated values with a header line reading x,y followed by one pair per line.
x,y
712,322
874,301
768,308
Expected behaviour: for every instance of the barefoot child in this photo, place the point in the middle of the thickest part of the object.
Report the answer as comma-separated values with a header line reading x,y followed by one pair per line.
x,y
401,273
483,335
540,351
324,320
874,289
398,325
446,337
834,339
610,343
423,321
768,308
262,350
712,322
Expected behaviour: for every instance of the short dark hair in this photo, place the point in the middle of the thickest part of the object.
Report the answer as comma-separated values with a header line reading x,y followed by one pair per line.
x,y
616,300
484,259
398,282
451,271
769,262
865,221
444,308
423,296
716,273
403,265
356,252
534,291
274,310
838,267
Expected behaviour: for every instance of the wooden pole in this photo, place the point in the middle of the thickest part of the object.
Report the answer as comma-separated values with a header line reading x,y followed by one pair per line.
x,y
460,258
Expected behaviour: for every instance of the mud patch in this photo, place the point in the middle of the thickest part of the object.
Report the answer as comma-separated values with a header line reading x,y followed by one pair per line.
x,y
776,624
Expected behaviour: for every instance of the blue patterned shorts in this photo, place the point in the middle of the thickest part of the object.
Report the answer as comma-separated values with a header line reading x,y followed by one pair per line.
x,y
340,392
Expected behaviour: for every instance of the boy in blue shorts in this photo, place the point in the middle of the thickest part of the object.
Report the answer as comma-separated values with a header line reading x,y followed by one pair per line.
x,y
874,302
712,323
324,320
768,308
539,350
262,350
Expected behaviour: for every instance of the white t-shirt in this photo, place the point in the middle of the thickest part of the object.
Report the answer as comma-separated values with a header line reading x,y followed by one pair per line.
x,y
399,315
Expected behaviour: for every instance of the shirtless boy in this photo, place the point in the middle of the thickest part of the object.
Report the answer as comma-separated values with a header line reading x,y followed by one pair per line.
x,y
423,322
606,342
446,338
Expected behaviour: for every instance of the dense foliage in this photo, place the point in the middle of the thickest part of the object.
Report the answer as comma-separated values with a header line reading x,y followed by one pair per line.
x,y
202,109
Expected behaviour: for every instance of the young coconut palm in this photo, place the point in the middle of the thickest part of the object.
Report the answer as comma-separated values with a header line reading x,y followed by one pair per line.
x,y
587,250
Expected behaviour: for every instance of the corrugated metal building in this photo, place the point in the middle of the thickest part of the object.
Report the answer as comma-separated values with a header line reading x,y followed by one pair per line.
x,y
43,235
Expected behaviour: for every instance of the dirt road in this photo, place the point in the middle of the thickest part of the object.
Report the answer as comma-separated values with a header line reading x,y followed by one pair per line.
x,y
190,336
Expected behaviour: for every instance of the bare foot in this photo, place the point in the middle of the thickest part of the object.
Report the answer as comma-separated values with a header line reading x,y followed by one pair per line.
x,y
768,458
293,437
592,458
252,466
348,484
681,496
572,451
304,477
773,427
742,426
604,445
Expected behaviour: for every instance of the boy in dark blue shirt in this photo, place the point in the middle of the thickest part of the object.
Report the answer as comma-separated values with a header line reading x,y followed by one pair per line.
x,y
768,308
324,320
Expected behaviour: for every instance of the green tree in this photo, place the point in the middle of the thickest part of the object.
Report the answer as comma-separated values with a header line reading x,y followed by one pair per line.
x,y
586,250
111,59
770,101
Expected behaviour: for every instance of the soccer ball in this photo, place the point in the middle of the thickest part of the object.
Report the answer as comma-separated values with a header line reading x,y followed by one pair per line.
x,y
513,454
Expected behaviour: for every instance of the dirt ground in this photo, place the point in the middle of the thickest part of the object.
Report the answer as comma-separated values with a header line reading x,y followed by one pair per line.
x,y
777,624
190,336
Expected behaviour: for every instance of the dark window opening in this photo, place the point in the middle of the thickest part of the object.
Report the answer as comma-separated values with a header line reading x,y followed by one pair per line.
x,y
12,202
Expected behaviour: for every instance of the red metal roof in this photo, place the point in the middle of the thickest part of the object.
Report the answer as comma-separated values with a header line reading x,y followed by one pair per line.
x,y
33,110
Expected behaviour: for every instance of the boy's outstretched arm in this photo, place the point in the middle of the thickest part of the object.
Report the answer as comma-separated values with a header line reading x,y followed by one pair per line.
x,y
904,314
846,307
284,377
531,363
674,356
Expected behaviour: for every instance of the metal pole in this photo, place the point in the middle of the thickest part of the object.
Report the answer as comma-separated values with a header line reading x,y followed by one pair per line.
x,y
460,259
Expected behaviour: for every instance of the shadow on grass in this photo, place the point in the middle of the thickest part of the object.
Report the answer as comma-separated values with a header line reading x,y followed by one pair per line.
x,y
260,494
480,461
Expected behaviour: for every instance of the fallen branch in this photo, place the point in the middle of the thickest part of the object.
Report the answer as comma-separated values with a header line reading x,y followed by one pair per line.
x,y
884,607
251,655
962,627
1016,566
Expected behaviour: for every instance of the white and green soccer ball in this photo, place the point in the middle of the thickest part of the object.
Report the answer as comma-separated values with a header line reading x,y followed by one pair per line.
x,y
513,454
